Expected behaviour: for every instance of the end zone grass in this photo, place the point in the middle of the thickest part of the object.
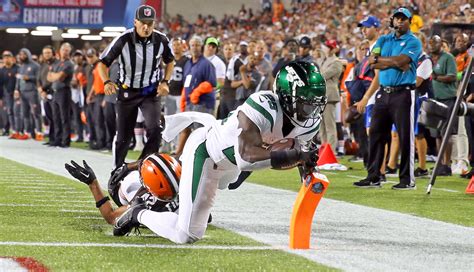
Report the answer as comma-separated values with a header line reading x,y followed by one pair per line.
x,y
447,201
42,208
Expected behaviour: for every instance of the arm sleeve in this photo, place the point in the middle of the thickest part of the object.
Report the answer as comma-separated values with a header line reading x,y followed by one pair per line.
x,y
113,50
220,70
377,49
451,69
167,52
230,69
412,49
425,69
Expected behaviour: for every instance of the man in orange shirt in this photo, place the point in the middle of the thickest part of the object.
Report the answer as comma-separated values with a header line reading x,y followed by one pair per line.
x,y
96,98
462,58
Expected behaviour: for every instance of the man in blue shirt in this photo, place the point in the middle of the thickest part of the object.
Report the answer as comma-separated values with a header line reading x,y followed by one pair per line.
x,y
394,57
198,92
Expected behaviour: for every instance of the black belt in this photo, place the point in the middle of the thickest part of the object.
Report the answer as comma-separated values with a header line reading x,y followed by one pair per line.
x,y
392,89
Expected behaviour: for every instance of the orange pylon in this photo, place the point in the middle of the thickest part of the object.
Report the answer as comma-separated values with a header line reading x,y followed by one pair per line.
x,y
312,190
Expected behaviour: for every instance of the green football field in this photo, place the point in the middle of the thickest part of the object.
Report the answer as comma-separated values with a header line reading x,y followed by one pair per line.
x,y
53,219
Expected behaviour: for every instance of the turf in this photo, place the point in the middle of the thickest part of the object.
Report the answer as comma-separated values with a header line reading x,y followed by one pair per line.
x,y
33,208
452,206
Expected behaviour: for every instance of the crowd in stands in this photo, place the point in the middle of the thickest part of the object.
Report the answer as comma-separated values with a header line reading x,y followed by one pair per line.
x,y
251,45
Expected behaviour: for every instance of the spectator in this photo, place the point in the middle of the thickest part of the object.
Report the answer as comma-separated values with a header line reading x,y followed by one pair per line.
x,y
95,97
60,76
211,48
7,87
263,66
247,81
444,89
227,101
305,49
172,104
289,53
26,83
331,69
78,83
460,141
199,83
45,88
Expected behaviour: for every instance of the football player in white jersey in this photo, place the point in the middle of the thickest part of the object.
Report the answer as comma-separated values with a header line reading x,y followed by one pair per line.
x,y
215,154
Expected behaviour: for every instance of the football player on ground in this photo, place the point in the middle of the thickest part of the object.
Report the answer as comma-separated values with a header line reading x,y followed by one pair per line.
x,y
215,154
153,186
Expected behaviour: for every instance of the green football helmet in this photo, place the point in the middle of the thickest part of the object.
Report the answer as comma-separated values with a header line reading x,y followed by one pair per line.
x,y
301,90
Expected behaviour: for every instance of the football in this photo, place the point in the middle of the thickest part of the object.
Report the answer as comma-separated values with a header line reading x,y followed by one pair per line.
x,y
283,144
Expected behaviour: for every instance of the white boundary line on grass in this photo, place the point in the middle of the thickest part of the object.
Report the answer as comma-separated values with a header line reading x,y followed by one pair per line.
x,y
123,245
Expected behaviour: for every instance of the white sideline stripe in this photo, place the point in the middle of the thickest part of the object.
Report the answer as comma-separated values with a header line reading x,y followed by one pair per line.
x,y
78,211
122,245
392,182
39,184
64,201
35,205
89,217
47,197
50,191
38,187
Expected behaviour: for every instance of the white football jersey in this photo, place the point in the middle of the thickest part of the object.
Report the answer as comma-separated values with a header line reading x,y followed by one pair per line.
x,y
264,110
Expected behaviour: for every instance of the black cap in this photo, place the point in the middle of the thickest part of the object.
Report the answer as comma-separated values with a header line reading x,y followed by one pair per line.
x,y
145,13
305,42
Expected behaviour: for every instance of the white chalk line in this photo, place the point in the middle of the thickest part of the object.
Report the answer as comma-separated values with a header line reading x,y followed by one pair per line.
x,y
36,205
124,245
40,187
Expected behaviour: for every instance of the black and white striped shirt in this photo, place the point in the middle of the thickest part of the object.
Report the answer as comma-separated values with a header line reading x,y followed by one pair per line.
x,y
139,59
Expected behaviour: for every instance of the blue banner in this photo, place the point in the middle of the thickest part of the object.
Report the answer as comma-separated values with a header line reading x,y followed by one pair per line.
x,y
66,13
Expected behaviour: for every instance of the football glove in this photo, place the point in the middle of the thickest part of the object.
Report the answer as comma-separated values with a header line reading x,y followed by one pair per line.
x,y
113,185
83,174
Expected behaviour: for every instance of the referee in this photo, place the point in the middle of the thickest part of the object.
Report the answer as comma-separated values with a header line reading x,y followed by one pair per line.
x,y
395,57
139,51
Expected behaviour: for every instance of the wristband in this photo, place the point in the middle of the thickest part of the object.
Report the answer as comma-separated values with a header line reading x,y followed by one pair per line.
x,y
107,82
101,202
284,159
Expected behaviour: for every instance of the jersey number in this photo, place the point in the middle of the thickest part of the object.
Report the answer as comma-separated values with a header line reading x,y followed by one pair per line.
x,y
177,74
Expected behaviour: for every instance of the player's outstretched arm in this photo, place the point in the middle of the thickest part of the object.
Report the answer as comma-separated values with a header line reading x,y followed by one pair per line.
x,y
86,175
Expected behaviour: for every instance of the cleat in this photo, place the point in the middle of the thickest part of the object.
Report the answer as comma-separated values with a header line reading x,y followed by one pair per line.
x,y
128,220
